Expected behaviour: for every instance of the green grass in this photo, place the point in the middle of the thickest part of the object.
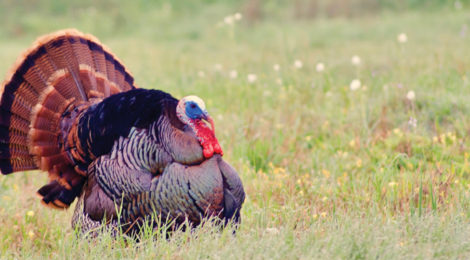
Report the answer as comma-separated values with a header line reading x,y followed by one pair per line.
x,y
329,172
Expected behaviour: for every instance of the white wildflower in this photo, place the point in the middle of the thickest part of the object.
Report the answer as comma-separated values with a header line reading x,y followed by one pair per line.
x,y
237,16
251,77
402,38
276,67
272,231
228,20
298,64
355,84
458,5
413,122
233,74
201,74
218,67
411,95
320,67
267,93
356,60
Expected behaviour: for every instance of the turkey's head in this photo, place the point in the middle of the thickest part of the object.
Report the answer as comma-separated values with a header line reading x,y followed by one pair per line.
x,y
191,110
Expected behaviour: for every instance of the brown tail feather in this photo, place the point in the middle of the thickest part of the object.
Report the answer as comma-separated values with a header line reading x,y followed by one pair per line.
x,y
60,71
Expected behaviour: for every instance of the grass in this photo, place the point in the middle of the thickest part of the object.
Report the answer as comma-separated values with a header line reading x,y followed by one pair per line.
x,y
329,172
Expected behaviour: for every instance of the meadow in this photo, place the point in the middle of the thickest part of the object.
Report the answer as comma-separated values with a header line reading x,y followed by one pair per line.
x,y
350,131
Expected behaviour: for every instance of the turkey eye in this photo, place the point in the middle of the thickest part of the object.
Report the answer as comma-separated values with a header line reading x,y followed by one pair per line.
x,y
193,106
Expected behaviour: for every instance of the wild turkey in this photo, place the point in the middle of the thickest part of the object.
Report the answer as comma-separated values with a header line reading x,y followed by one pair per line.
x,y
71,108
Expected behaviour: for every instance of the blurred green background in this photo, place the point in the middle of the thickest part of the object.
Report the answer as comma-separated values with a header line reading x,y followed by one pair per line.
x,y
160,18
348,121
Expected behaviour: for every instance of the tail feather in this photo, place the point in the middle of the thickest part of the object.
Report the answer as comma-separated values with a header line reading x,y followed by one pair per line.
x,y
62,54
81,50
17,163
12,150
17,139
110,71
14,124
100,64
59,73
88,77
65,84
27,93
45,149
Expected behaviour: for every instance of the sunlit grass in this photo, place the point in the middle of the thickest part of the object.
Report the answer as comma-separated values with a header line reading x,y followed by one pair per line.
x,y
332,167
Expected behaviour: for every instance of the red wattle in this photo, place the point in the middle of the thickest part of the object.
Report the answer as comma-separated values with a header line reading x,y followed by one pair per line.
x,y
207,138
208,151
218,149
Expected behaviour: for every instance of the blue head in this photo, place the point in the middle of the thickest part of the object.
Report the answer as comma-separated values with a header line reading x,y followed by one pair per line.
x,y
191,110
195,108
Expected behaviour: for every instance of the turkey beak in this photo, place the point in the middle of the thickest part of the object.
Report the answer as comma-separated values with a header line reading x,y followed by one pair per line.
x,y
207,119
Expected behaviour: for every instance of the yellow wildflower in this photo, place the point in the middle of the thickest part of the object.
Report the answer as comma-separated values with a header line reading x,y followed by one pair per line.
x,y
278,170
359,163
352,143
325,173
271,165
410,166
397,131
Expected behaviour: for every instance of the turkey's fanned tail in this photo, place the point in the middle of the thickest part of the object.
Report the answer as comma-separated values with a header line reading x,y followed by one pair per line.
x,y
57,78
